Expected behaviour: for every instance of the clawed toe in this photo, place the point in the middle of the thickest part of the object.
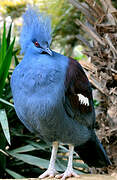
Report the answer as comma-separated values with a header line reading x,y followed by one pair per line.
x,y
66,174
49,173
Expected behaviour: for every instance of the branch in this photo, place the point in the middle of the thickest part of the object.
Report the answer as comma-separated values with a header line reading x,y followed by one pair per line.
x,y
90,32
95,7
83,9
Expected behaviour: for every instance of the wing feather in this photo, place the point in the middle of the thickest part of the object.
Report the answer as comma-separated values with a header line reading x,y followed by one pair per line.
x,y
78,94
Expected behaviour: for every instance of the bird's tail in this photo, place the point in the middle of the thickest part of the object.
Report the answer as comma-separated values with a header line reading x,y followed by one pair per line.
x,y
93,153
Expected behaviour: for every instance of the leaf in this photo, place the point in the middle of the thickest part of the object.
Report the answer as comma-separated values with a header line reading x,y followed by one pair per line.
x,y
0,41
14,174
3,46
9,35
16,60
23,149
39,162
6,102
63,148
15,132
39,145
6,54
2,151
5,66
81,165
4,124
63,164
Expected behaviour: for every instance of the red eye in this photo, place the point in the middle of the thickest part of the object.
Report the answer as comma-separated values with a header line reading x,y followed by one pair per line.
x,y
36,44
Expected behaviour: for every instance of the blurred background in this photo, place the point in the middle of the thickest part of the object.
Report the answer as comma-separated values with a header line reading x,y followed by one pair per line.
x,y
85,30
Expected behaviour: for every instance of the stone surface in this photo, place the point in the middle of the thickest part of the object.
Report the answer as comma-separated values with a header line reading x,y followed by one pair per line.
x,y
82,177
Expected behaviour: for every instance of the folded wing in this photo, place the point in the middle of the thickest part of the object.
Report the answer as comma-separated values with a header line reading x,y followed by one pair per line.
x,y
78,95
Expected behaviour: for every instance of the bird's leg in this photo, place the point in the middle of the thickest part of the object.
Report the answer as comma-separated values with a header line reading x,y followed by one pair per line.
x,y
69,171
51,172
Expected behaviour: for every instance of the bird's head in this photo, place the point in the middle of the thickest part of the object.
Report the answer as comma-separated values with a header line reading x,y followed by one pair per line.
x,y
36,32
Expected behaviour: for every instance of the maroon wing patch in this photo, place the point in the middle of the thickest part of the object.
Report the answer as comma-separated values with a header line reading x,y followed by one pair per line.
x,y
78,89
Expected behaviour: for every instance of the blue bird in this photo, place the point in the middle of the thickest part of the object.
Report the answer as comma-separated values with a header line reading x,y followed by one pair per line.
x,y
53,97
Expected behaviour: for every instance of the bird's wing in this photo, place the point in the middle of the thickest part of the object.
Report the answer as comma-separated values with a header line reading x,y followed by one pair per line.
x,y
78,95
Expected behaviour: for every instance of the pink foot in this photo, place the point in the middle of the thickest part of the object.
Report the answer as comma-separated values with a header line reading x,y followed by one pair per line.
x,y
66,174
48,173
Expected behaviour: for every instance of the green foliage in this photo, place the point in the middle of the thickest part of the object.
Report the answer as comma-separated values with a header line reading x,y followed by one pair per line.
x,y
4,124
2,155
13,8
65,32
27,155
6,53
96,103
14,174
80,57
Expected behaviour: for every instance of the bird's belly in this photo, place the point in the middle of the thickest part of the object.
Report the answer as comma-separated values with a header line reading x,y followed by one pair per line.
x,y
38,100
48,120
40,114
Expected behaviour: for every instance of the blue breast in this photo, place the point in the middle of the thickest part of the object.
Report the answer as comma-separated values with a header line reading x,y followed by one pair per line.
x,y
38,91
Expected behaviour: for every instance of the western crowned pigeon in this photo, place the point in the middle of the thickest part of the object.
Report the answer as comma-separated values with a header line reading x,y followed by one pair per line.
x,y
53,97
